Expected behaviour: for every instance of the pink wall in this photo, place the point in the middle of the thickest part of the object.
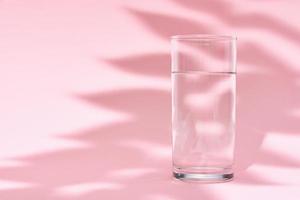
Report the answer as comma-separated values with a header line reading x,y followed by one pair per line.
x,y
85,98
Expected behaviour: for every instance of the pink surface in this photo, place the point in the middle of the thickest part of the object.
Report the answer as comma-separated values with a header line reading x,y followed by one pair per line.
x,y
85,98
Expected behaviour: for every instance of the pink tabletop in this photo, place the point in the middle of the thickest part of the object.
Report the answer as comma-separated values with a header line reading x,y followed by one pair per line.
x,y
85,98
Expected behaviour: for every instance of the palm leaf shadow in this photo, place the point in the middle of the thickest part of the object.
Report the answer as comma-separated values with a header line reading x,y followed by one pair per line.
x,y
114,147
250,54
157,64
168,25
110,149
228,14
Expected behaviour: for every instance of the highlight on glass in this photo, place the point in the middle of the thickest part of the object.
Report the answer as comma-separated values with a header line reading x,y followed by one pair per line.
x,y
203,107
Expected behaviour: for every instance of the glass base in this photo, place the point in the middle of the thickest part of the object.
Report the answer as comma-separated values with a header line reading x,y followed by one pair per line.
x,y
206,176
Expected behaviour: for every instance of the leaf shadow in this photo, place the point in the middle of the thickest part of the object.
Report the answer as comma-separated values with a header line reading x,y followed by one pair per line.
x,y
125,153
228,14
116,153
156,64
271,110
167,25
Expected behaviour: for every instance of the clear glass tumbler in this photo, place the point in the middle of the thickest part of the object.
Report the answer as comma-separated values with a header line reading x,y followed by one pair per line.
x,y
203,107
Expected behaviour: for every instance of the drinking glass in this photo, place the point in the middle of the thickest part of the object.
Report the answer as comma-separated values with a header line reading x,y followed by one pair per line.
x,y
203,107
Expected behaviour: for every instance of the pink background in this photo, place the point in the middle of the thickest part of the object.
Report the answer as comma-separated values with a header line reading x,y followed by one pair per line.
x,y
85,98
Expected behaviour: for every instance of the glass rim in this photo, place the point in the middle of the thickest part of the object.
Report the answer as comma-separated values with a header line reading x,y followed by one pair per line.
x,y
203,37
